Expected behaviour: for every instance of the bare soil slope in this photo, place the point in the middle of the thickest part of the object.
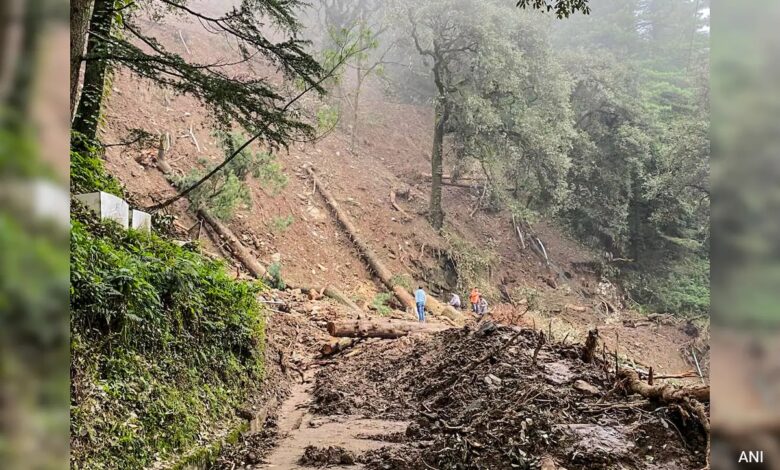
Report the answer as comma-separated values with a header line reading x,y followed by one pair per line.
x,y
393,151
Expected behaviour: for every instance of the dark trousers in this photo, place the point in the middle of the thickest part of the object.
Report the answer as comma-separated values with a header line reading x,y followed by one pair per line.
x,y
421,311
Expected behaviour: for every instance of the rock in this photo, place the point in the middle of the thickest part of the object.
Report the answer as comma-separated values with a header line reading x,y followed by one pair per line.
x,y
276,257
558,373
547,463
315,213
599,443
494,379
314,295
585,387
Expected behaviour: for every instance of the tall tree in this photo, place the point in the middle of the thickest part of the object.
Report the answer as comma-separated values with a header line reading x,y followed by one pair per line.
x,y
449,34
116,40
80,13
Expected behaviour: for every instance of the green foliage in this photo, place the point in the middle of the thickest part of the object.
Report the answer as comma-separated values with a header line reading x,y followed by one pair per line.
x,y
87,173
228,190
381,303
562,8
530,294
164,344
639,181
402,280
473,264
275,273
281,224
328,117
683,288
19,153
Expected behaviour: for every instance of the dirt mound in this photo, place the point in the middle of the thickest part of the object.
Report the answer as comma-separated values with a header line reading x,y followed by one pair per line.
x,y
315,456
477,399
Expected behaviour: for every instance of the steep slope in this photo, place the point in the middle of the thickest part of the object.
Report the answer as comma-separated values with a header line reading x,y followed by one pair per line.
x,y
393,152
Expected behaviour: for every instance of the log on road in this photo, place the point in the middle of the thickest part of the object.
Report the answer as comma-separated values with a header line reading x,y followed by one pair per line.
x,y
379,329
337,345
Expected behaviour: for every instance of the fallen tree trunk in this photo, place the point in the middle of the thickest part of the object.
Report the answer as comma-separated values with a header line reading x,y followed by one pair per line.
x,y
664,393
366,252
442,309
258,270
378,329
337,345
373,261
239,250
255,268
331,293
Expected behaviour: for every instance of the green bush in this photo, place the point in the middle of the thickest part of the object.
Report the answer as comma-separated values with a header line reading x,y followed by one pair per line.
x,y
275,273
227,190
87,173
683,288
473,264
381,303
281,224
164,344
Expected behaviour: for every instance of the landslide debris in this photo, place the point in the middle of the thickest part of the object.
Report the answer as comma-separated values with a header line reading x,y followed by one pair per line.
x,y
477,399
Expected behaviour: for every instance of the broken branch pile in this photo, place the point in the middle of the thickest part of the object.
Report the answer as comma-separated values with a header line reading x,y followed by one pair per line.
x,y
477,400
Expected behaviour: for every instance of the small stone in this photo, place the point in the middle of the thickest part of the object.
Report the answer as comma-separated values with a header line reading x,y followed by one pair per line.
x,y
585,387
494,379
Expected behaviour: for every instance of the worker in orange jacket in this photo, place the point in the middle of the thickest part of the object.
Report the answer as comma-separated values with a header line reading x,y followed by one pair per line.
x,y
474,299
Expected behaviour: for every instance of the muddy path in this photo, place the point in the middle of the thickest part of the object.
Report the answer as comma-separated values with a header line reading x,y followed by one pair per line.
x,y
482,398
306,439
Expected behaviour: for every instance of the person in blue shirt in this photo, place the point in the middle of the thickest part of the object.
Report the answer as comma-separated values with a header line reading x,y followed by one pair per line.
x,y
419,297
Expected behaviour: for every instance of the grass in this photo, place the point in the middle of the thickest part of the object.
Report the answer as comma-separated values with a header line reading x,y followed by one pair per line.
x,y
281,224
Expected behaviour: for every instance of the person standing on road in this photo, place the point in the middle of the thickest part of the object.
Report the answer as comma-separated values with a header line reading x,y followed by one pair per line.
x,y
474,299
419,297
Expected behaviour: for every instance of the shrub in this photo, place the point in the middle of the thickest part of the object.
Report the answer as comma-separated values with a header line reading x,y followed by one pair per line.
x,y
227,190
472,264
683,288
381,303
275,273
164,343
281,224
87,173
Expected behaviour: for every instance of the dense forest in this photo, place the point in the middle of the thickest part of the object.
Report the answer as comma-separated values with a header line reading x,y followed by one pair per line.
x,y
599,122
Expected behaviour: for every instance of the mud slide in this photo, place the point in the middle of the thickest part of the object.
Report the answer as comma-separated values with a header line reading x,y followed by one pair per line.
x,y
373,261
244,256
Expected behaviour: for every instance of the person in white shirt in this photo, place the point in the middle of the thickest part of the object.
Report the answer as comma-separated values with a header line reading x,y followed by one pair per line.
x,y
455,301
